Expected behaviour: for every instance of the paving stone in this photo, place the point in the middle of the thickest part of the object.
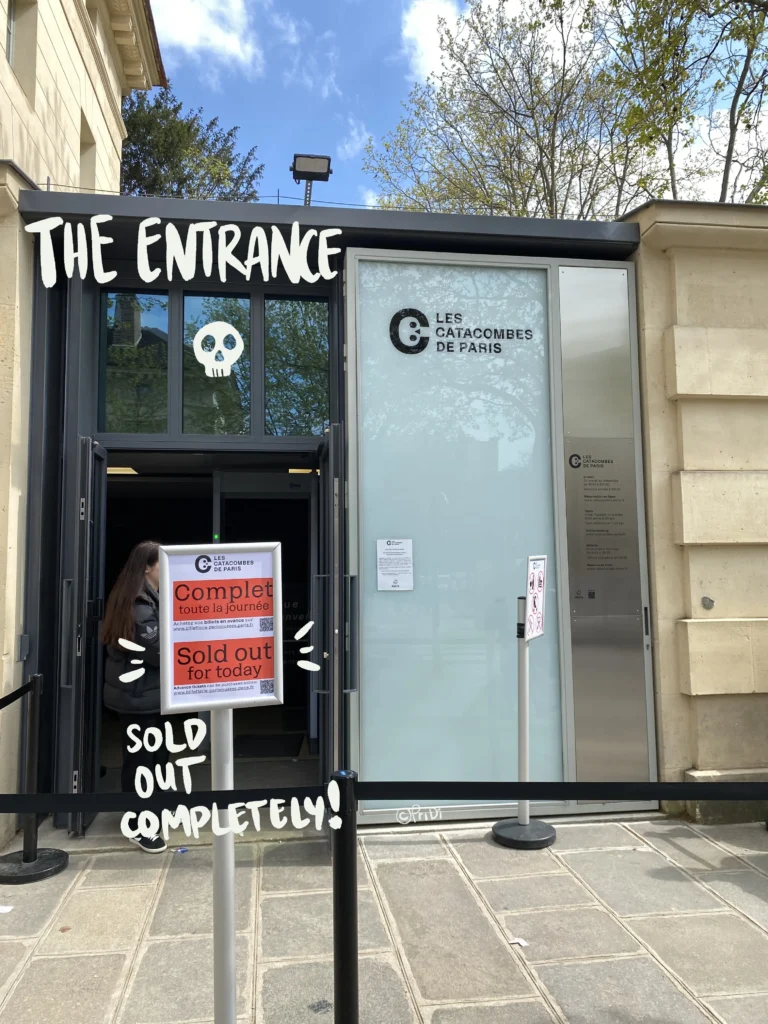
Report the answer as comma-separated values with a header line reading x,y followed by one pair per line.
x,y
453,950
634,990
513,894
715,954
640,882
749,841
301,864
129,867
569,934
528,1012
593,837
98,921
186,901
11,955
302,993
742,1009
684,846
302,925
405,847
66,990
746,890
174,982
34,905
483,857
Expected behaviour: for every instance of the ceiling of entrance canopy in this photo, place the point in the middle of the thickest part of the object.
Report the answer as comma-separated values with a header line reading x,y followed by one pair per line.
x,y
148,463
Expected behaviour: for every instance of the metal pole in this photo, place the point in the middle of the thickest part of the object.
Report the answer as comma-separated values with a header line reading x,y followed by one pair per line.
x,y
521,833
307,193
31,864
346,1006
33,732
523,773
222,777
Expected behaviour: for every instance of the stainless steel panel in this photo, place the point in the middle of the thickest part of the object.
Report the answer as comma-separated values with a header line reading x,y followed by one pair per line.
x,y
609,702
596,356
605,572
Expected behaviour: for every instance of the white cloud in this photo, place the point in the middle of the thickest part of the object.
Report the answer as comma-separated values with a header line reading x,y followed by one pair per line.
x,y
420,35
355,142
218,29
369,197
288,28
314,66
420,32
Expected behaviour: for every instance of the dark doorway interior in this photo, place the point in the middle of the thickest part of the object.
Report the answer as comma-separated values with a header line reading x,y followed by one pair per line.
x,y
271,744
285,520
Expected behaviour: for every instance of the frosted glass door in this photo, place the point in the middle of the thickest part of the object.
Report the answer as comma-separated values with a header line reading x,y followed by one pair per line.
x,y
454,454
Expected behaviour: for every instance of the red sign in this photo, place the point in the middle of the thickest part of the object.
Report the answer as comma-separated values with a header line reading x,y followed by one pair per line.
x,y
222,599
221,630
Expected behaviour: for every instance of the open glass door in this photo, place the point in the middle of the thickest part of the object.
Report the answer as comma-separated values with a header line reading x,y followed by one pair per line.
x,y
80,612
328,602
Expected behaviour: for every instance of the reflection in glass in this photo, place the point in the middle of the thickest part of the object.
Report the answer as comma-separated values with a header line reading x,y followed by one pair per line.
x,y
219,404
296,367
135,363
455,454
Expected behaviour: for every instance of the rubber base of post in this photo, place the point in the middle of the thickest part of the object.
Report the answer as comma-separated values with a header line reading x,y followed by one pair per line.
x,y
15,871
534,836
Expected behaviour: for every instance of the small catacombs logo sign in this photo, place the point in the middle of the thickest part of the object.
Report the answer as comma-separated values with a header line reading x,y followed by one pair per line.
x,y
407,331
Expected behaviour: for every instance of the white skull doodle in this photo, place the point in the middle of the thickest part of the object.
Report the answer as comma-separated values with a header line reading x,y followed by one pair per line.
x,y
218,358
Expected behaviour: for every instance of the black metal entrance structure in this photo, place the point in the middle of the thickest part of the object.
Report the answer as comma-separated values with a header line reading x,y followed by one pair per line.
x,y
73,436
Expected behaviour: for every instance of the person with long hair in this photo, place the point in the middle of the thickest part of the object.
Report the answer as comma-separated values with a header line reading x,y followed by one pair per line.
x,y
132,614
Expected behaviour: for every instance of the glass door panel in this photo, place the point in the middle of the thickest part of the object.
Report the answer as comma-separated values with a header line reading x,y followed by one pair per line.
x,y
455,454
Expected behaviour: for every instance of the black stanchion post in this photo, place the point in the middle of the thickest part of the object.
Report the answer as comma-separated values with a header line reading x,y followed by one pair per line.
x,y
33,741
30,864
346,1006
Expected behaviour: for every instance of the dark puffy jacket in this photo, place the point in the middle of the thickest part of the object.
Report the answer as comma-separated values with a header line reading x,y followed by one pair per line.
x,y
142,696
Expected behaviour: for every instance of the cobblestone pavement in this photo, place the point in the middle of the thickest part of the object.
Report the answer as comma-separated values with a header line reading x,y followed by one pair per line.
x,y
652,922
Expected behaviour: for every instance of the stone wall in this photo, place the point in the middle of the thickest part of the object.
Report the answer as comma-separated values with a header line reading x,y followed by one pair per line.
x,y
60,123
703,329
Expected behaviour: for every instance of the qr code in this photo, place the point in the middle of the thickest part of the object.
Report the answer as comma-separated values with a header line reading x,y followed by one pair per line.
x,y
266,625
267,685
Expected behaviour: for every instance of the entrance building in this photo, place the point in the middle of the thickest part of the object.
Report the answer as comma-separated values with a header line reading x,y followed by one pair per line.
x,y
467,384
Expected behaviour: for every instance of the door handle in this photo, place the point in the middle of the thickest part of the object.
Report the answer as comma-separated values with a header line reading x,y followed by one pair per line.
x,y
65,619
352,633
318,616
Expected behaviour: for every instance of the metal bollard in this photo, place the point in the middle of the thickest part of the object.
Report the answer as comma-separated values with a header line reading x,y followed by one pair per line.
x,y
346,1006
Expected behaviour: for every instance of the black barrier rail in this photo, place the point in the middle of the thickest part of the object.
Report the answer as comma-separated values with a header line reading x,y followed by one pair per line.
x,y
344,838
489,792
15,695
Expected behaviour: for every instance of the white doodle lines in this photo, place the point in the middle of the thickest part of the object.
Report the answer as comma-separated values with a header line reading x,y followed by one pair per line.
x,y
308,666
136,673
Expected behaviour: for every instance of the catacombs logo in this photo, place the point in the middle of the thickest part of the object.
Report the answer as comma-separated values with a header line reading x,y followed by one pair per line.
x,y
406,331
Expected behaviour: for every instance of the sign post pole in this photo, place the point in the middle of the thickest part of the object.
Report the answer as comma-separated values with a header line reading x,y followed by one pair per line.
x,y
521,833
224,934
523,713
221,642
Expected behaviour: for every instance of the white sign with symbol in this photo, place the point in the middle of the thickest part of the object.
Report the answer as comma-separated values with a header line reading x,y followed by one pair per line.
x,y
394,564
534,596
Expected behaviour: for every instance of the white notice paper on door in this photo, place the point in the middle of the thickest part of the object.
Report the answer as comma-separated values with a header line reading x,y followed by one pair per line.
x,y
394,564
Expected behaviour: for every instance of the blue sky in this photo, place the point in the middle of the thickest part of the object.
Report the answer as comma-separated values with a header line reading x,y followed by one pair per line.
x,y
313,76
